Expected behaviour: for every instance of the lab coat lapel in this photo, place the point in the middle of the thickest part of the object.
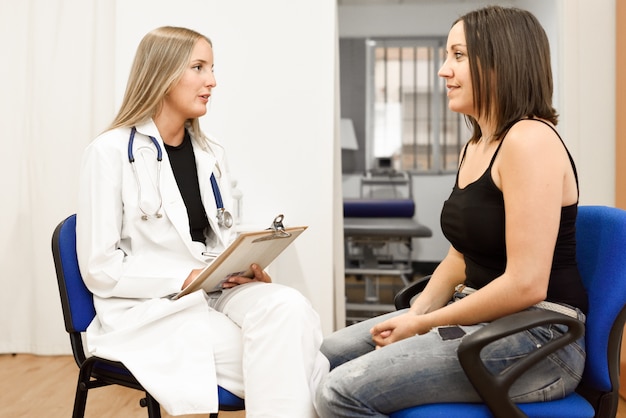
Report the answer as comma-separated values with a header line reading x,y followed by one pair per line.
x,y
206,164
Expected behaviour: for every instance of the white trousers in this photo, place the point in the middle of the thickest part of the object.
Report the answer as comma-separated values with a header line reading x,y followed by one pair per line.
x,y
269,349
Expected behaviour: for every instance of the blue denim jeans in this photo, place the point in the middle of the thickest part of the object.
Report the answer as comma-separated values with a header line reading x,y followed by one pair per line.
x,y
365,382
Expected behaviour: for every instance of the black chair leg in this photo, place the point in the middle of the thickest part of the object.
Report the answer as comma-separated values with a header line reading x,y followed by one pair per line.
x,y
82,388
154,409
80,402
212,415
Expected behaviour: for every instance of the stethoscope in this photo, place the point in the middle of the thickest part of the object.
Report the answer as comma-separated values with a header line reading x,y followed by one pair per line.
x,y
224,217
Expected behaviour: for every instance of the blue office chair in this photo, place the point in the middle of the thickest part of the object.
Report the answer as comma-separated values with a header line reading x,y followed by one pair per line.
x,y
78,311
601,252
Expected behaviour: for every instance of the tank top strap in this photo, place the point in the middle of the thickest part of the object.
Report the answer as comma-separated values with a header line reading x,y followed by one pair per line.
x,y
492,158
495,154
461,163
571,160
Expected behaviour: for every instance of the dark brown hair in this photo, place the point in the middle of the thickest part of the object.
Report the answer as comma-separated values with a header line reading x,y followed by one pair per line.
x,y
509,58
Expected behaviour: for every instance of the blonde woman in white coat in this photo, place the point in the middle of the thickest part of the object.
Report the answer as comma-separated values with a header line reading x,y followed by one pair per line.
x,y
143,230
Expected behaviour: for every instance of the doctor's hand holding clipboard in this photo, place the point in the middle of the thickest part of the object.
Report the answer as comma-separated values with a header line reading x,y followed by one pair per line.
x,y
259,276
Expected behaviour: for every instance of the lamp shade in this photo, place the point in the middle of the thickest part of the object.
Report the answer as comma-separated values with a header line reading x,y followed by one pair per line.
x,y
348,137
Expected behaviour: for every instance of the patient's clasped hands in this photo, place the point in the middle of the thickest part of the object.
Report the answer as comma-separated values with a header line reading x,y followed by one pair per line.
x,y
398,328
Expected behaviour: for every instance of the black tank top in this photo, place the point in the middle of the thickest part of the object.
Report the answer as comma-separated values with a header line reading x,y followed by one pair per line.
x,y
183,164
473,220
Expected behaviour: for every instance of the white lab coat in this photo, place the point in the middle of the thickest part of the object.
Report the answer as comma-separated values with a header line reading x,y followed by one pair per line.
x,y
130,264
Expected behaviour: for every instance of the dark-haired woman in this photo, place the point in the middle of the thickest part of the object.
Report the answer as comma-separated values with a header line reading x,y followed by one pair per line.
x,y
510,220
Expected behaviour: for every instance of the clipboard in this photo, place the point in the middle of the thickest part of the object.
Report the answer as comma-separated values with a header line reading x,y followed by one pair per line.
x,y
258,247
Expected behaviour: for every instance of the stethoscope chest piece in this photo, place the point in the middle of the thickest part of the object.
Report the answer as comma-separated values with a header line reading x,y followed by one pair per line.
x,y
224,218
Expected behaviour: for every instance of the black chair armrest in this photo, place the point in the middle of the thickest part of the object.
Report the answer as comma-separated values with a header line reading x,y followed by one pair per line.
x,y
403,297
494,389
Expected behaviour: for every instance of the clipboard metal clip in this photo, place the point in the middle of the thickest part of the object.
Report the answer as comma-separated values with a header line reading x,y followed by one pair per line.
x,y
277,225
278,228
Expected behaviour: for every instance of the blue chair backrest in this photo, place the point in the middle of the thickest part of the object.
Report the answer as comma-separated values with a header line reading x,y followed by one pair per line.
x,y
78,300
601,254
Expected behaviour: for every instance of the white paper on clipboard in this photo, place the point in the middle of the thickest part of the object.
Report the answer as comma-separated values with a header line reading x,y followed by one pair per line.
x,y
259,247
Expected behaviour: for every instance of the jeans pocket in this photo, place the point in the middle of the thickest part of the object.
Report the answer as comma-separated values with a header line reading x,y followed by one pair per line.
x,y
551,391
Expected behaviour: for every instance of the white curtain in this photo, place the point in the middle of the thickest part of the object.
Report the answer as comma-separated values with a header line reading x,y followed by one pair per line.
x,y
57,94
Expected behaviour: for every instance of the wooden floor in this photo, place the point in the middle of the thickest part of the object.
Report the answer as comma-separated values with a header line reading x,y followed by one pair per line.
x,y
43,386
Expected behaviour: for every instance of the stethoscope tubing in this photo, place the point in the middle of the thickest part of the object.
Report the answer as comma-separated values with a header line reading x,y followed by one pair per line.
x,y
131,141
224,217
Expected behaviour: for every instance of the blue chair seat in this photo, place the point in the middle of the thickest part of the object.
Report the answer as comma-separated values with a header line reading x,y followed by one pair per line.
x,y
572,406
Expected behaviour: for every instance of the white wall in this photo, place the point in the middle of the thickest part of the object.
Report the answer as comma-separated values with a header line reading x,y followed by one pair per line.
x,y
587,80
582,38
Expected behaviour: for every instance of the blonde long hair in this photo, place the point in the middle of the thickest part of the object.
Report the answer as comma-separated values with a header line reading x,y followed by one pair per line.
x,y
160,60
